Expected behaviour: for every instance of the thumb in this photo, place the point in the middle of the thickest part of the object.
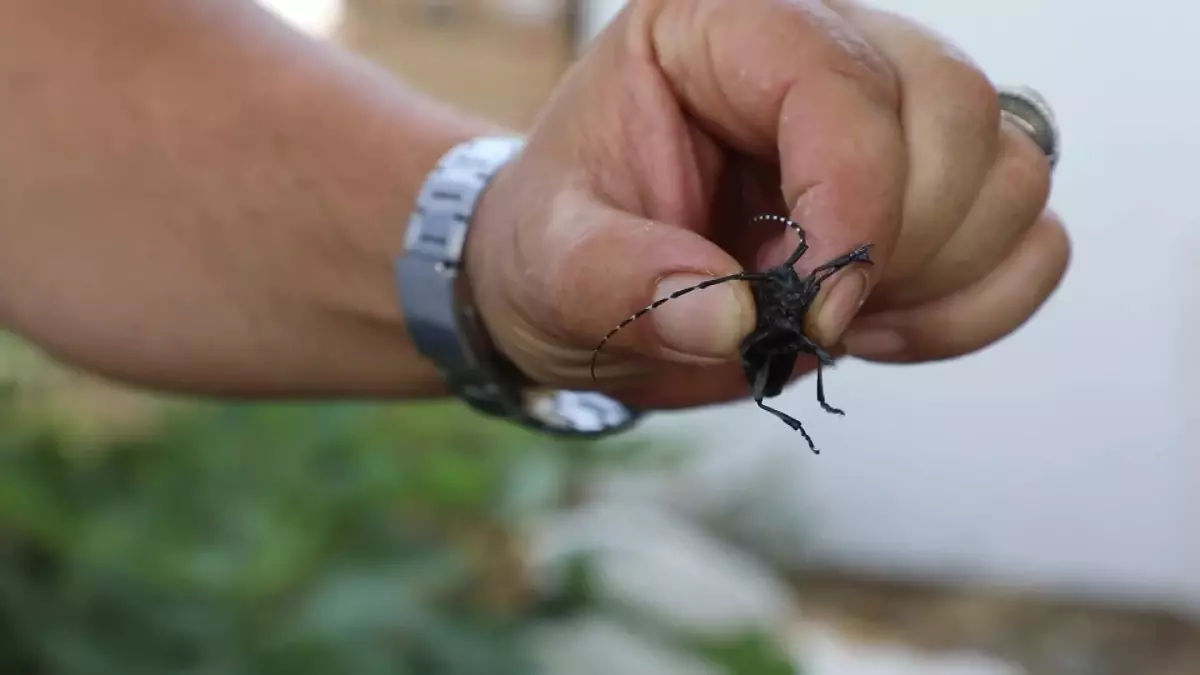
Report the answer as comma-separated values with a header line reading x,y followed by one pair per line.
x,y
616,270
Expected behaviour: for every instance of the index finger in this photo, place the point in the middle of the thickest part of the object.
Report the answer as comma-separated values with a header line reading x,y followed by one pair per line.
x,y
793,82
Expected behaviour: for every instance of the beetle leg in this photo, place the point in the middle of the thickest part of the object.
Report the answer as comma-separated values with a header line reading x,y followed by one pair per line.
x,y
821,393
760,383
823,357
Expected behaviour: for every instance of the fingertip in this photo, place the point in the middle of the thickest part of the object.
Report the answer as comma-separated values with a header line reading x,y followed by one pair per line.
x,y
977,316
643,283
838,303
1059,241
704,324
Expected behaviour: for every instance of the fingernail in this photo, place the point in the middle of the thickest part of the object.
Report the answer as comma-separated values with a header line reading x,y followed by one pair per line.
x,y
845,298
873,342
705,322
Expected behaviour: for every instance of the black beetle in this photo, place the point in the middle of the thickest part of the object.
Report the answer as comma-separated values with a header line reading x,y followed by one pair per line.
x,y
782,299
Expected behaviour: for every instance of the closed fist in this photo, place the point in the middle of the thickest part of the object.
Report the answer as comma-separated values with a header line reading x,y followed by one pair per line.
x,y
685,119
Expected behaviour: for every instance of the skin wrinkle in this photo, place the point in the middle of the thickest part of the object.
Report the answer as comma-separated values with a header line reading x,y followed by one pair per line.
x,y
969,112
1021,172
978,91
799,195
673,200
709,162
549,299
518,319
861,59
594,155
865,63
717,101
719,96
1045,245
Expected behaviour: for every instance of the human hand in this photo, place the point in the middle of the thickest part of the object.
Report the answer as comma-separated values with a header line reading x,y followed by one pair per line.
x,y
688,117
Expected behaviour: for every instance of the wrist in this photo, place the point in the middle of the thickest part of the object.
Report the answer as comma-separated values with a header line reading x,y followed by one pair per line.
x,y
487,255
443,313
349,277
435,293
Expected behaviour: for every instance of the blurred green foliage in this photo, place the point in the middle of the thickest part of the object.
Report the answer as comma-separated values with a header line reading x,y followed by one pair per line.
x,y
270,539
291,539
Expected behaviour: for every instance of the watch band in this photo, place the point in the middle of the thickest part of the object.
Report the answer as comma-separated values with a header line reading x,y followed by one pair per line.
x,y
445,327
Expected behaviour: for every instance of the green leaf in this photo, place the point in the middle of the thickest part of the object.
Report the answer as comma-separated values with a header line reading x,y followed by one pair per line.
x,y
753,653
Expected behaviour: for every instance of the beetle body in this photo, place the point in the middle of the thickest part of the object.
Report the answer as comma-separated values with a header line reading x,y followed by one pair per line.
x,y
782,300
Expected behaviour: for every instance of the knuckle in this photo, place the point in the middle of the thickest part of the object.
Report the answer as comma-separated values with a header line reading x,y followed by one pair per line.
x,y
1024,171
857,60
978,95
838,47
968,97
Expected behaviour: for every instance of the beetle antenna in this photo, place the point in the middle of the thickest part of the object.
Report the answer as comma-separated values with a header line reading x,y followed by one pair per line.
x,y
861,254
801,248
740,276
780,219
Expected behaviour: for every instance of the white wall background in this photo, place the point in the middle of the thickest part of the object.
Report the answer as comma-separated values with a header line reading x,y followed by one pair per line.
x,y
1066,457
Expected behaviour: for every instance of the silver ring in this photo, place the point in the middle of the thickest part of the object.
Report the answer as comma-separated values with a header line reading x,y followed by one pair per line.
x,y
1028,110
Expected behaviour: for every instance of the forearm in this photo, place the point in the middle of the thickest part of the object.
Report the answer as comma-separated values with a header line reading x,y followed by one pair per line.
x,y
194,199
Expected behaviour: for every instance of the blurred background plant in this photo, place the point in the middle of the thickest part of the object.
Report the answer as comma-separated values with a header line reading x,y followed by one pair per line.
x,y
230,539
262,539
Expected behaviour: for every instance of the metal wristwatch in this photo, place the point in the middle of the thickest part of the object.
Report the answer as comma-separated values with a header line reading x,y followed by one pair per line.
x,y
444,323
